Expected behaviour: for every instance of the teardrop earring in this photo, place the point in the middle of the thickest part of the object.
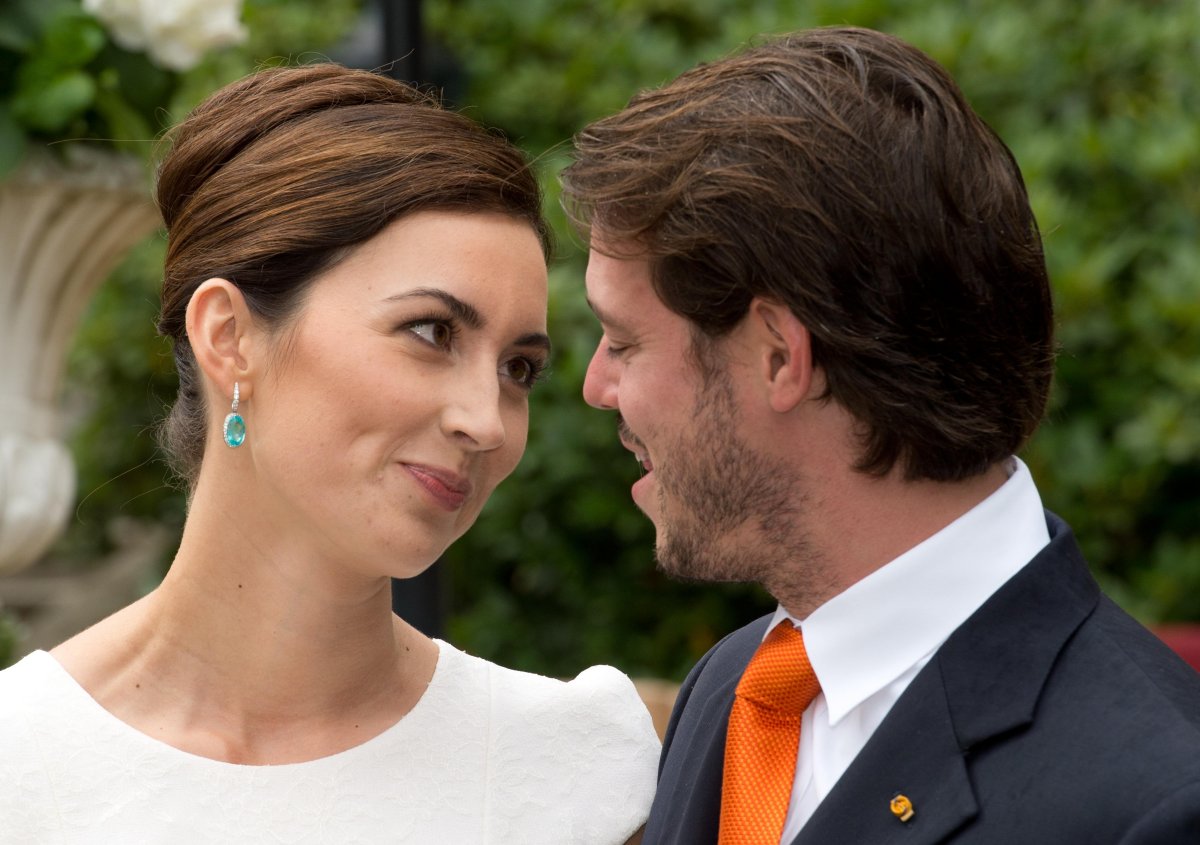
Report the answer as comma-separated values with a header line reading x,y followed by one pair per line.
x,y
234,430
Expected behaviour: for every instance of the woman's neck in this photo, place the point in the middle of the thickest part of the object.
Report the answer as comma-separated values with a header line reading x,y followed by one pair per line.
x,y
254,650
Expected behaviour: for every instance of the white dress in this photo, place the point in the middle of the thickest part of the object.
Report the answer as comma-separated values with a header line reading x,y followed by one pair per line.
x,y
487,755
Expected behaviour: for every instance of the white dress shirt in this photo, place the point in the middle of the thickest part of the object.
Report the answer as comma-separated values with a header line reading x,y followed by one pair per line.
x,y
867,643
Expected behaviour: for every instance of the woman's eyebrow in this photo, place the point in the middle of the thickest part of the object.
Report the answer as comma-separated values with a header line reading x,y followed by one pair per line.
x,y
469,314
535,339
464,311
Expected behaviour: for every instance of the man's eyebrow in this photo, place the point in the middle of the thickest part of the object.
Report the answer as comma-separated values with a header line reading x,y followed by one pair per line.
x,y
603,316
464,311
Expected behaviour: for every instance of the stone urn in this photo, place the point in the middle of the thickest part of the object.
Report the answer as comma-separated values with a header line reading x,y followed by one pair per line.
x,y
65,222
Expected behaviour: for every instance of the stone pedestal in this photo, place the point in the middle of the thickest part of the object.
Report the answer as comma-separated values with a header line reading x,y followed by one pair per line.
x,y
64,224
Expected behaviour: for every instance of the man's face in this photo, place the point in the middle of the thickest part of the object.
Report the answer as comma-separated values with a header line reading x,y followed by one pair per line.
x,y
721,510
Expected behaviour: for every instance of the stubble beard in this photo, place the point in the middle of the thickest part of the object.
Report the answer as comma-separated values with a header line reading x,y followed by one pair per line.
x,y
729,514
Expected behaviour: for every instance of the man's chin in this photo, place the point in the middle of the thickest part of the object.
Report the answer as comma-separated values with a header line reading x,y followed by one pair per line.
x,y
697,557
679,560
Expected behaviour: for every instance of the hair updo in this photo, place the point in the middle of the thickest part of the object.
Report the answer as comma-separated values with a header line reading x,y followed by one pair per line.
x,y
271,179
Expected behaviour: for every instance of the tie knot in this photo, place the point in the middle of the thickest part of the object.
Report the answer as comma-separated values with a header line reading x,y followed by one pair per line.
x,y
779,676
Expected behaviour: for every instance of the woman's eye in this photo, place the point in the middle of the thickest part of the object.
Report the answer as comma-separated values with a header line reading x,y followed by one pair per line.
x,y
433,332
523,371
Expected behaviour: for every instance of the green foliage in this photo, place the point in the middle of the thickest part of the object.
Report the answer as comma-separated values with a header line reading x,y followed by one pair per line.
x,y
61,78
543,68
1099,106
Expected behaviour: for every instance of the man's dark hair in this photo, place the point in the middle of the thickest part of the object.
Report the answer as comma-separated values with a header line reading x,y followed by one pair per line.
x,y
841,172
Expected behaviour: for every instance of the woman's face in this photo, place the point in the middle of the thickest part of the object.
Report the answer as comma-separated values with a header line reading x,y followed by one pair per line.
x,y
400,397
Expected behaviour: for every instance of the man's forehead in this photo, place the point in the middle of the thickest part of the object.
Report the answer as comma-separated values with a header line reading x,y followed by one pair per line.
x,y
615,286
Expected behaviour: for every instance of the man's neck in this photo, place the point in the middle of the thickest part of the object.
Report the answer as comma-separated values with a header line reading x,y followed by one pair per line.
x,y
865,522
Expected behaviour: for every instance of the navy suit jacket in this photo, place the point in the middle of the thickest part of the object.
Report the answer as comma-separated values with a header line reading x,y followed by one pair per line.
x,y
1050,716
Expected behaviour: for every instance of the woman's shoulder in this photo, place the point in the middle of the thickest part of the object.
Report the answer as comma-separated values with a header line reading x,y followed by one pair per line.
x,y
43,710
36,698
29,705
600,697
582,752
24,688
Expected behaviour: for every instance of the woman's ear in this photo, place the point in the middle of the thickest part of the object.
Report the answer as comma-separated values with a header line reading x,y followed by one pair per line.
x,y
221,333
783,352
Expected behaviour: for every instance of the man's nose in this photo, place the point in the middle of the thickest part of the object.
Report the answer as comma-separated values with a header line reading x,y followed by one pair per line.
x,y
600,383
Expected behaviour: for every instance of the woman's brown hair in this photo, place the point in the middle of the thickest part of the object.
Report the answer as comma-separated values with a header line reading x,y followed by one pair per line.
x,y
273,178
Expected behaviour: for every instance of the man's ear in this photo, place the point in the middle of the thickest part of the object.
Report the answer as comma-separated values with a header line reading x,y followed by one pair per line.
x,y
783,353
221,333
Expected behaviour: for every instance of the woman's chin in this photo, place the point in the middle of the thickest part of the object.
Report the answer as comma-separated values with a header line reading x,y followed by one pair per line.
x,y
417,561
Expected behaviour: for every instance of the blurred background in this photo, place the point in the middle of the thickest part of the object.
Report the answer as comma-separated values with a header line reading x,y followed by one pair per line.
x,y
1100,103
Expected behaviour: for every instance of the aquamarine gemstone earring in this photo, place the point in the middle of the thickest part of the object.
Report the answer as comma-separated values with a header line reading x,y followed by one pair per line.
x,y
235,427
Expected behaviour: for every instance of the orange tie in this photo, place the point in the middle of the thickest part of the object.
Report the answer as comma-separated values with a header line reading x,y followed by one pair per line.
x,y
764,734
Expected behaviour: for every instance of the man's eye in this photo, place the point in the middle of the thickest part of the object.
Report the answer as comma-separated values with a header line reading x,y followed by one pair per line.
x,y
434,332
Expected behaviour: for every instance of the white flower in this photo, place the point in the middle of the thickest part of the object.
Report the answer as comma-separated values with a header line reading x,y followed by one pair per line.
x,y
176,33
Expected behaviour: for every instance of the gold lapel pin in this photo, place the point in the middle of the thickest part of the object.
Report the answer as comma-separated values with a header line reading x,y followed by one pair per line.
x,y
901,807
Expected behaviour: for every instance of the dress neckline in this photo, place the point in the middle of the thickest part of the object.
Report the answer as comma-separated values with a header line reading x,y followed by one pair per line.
x,y
411,723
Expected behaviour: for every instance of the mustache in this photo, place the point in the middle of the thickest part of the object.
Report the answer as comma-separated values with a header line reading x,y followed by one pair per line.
x,y
630,441
626,435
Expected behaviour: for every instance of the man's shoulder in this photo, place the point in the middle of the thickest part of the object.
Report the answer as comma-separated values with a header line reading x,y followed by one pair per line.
x,y
1093,650
1095,708
1118,699
1116,727
1056,643
1115,651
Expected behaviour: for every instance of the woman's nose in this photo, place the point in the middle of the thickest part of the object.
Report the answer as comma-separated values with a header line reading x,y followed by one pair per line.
x,y
473,412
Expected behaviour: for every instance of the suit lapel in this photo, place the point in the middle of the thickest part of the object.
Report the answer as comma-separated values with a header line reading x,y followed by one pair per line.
x,y
982,685
914,753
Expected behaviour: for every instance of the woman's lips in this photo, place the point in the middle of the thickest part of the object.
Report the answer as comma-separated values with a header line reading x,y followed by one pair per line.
x,y
447,489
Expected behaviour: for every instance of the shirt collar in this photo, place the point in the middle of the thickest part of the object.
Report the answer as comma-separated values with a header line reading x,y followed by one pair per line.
x,y
873,632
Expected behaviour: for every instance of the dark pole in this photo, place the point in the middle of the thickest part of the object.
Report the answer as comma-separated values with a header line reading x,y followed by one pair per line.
x,y
421,601
403,41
